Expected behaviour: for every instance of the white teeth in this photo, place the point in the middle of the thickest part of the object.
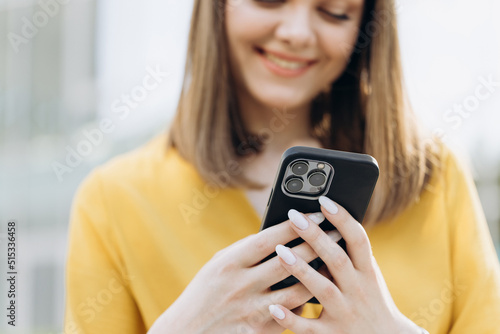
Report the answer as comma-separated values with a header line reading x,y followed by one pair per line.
x,y
286,64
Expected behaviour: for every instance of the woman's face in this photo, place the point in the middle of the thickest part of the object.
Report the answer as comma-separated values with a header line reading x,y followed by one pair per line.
x,y
285,52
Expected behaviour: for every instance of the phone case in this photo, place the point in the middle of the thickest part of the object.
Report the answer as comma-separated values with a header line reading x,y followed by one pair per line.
x,y
351,185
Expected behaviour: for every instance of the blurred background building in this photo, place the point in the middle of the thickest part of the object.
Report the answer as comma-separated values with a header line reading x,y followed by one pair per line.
x,y
68,66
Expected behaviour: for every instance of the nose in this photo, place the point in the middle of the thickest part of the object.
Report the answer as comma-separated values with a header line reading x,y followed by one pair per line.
x,y
296,28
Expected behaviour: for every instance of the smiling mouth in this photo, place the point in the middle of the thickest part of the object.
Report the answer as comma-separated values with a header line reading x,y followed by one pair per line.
x,y
284,63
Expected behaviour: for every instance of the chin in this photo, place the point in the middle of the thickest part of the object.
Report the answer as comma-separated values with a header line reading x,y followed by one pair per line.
x,y
282,99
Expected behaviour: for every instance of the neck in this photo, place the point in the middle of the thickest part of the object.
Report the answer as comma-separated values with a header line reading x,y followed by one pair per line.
x,y
279,127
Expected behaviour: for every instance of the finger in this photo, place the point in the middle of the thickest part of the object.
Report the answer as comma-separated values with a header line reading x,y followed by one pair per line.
x,y
291,297
256,247
286,319
335,258
298,310
271,271
321,287
358,244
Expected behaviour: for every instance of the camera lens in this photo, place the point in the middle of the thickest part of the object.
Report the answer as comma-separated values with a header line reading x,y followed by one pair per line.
x,y
300,168
294,185
317,179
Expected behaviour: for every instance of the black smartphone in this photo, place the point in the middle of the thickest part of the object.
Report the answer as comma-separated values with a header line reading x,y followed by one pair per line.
x,y
305,174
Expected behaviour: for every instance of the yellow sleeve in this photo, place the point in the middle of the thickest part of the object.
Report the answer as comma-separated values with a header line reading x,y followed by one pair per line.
x,y
476,272
98,294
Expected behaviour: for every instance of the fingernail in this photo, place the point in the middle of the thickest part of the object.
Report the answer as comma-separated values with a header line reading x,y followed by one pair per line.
x,y
277,312
317,217
334,235
298,219
286,255
328,204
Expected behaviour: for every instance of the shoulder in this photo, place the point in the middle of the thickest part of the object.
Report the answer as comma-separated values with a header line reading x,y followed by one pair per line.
x,y
449,187
138,163
451,170
142,170
452,185
447,165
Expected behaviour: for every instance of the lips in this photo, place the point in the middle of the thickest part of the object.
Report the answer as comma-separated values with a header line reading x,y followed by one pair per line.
x,y
284,61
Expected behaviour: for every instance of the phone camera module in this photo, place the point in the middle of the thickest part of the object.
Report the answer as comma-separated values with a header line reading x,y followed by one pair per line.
x,y
300,168
306,178
294,185
317,179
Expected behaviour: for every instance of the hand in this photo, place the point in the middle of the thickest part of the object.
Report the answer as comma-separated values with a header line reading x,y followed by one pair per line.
x,y
231,294
356,298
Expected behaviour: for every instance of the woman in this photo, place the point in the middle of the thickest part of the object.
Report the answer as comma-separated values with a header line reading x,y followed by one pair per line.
x,y
164,239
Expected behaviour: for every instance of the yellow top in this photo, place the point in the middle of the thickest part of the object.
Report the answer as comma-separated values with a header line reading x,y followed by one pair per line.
x,y
143,225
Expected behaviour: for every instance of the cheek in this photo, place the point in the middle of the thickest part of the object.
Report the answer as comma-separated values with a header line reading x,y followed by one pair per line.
x,y
339,43
241,24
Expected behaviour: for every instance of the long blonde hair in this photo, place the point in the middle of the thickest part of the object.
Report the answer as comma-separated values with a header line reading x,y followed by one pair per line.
x,y
365,111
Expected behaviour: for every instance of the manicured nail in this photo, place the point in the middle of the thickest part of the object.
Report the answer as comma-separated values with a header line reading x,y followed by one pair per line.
x,y
286,255
334,235
317,217
298,219
328,204
277,312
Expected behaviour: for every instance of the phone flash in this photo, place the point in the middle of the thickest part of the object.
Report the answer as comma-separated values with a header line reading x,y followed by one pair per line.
x,y
321,166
